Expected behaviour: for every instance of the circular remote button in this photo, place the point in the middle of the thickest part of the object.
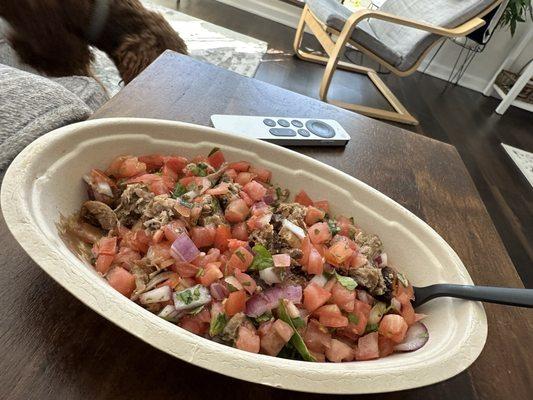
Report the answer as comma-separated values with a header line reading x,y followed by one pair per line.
x,y
284,123
296,123
304,132
269,122
320,128
282,132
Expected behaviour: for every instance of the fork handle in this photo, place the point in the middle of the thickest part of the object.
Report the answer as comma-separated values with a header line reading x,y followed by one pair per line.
x,y
490,294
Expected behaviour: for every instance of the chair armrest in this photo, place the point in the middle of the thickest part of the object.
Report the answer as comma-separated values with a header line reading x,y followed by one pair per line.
x,y
460,30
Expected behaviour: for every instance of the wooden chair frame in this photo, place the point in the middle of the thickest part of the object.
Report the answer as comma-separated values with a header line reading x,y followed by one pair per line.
x,y
334,50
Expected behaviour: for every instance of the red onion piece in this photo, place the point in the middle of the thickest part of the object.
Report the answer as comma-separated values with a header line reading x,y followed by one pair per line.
x,y
170,313
183,249
269,199
158,295
218,291
299,232
416,337
259,207
269,276
365,297
267,300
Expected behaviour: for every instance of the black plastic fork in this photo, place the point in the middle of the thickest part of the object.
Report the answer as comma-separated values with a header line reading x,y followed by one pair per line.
x,y
489,294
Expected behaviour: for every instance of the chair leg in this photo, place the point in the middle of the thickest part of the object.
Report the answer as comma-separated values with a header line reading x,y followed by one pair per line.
x,y
333,62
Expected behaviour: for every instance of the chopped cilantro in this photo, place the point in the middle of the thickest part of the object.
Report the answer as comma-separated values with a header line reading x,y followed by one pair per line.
x,y
197,310
199,169
298,322
262,258
354,319
333,227
296,339
179,190
245,283
218,324
267,316
186,296
196,293
201,272
185,203
371,328
346,281
239,254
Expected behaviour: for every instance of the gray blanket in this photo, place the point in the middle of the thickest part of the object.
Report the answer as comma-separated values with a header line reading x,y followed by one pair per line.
x,y
30,106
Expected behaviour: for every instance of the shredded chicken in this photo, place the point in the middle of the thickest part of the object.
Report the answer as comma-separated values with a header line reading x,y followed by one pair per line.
x,y
369,245
294,212
159,212
133,201
370,278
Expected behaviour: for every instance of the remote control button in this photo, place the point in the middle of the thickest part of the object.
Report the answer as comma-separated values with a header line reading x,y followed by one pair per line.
x,y
297,124
284,123
304,132
282,132
269,122
320,128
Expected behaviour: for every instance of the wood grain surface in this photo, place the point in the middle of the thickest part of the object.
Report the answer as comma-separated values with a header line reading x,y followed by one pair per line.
x,y
54,347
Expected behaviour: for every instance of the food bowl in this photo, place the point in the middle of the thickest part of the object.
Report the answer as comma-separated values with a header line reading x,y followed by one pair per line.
x,y
44,182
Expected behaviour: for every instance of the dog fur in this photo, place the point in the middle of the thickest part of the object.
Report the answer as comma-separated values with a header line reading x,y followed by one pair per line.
x,y
51,35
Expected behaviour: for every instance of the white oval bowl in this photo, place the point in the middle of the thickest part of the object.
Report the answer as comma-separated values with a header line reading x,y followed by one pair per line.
x,y
45,180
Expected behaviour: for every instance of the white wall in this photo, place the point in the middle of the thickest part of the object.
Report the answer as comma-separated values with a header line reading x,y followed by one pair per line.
x,y
478,74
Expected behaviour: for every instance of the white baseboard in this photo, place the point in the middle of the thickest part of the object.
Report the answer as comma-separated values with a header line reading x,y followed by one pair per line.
x,y
443,72
274,10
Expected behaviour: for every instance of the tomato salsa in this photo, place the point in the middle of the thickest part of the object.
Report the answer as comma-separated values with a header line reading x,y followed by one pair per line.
x,y
216,248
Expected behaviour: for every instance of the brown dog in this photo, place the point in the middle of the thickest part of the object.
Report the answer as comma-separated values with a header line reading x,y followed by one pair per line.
x,y
54,36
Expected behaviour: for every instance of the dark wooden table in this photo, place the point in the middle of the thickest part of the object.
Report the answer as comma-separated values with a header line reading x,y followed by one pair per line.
x,y
53,347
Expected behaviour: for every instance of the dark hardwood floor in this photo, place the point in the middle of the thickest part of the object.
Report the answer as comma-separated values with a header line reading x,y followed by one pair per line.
x,y
459,116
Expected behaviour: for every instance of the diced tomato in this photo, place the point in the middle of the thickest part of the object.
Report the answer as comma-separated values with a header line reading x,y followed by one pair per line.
x,y
169,177
329,284
234,244
231,173
126,257
216,159
222,235
357,260
173,230
339,351
103,263
359,317
131,166
185,270
241,259
114,166
272,341
303,198
345,225
255,190
121,280
154,182
176,163
315,263
281,260
235,303
244,177
314,215
171,282
220,189
306,249
107,246
240,231
248,283
403,294
330,315
319,233
213,255
211,274
248,340
153,162
258,221
159,254
339,253
198,323
236,211
283,329
343,297
367,347
408,313
187,180
322,204
203,236
393,327
386,346
314,297
262,174
247,199
239,166
317,337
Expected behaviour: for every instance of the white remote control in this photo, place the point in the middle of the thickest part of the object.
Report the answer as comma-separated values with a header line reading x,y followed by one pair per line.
x,y
285,131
